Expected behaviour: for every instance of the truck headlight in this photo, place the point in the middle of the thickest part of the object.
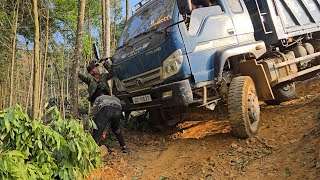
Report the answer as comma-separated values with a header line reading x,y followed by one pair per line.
x,y
172,64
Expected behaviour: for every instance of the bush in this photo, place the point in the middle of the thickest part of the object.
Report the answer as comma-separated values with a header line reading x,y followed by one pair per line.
x,y
32,150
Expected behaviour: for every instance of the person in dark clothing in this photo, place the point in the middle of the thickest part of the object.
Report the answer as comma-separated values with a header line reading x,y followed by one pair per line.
x,y
106,109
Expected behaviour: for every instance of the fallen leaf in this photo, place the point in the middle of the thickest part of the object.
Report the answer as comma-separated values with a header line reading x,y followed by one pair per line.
x,y
318,165
287,172
163,178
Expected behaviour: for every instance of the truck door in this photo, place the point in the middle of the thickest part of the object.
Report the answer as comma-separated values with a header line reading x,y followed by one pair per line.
x,y
210,28
241,20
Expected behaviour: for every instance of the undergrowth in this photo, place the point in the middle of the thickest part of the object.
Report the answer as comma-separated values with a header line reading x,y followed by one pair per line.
x,y
32,150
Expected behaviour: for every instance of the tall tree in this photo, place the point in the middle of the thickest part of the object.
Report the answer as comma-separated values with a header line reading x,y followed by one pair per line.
x,y
14,37
36,49
75,63
127,10
108,29
44,69
104,28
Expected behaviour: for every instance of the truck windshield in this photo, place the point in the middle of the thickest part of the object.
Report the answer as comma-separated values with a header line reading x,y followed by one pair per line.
x,y
155,16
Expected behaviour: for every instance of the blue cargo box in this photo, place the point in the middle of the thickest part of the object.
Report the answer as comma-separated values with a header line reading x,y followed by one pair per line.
x,y
274,20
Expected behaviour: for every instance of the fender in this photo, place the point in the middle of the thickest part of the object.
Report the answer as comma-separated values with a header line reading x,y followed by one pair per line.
x,y
257,48
249,67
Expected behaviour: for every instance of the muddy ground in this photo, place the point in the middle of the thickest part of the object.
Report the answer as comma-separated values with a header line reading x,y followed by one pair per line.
x,y
287,147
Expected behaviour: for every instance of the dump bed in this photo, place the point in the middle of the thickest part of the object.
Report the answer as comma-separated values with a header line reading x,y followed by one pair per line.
x,y
274,20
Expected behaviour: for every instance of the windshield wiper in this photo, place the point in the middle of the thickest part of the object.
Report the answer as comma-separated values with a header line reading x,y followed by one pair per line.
x,y
144,33
139,35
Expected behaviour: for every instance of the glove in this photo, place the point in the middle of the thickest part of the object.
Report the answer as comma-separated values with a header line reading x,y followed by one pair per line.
x,y
107,63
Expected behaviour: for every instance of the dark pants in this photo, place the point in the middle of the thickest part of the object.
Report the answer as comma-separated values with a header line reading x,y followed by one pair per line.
x,y
108,115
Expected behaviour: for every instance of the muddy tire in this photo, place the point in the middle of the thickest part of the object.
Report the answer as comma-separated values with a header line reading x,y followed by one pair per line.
x,y
157,122
243,107
284,91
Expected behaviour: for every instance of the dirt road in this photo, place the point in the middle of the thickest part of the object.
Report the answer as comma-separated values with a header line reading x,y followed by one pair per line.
x,y
287,146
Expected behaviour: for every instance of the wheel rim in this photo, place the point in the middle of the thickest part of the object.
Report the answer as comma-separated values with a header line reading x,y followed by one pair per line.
x,y
287,87
253,110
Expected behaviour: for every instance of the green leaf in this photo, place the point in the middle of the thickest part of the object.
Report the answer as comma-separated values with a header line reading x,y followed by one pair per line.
x,y
72,146
79,151
287,172
163,178
7,123
15,122
11,117
14,153
65,174
318,165
39,144
12,134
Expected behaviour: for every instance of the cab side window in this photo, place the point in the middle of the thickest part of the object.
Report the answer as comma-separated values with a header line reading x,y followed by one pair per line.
x,y
195,17
204,3
235,6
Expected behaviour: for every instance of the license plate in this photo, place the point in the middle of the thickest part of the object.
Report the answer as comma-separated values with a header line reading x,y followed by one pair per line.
x,y
141,99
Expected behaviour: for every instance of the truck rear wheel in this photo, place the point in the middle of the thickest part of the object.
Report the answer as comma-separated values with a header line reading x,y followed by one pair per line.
x,y
243,107
282,92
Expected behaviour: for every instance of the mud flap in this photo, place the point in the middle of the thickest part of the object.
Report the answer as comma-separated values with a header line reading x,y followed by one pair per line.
x,y
258,74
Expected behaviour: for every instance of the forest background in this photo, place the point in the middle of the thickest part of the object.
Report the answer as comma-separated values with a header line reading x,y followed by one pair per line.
x,y
44,44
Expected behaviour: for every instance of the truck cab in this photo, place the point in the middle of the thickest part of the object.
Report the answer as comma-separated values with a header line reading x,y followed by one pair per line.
x,y
161,57
175,53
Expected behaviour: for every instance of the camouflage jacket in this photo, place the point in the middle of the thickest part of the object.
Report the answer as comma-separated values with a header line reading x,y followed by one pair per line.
x,y
102,101
92,83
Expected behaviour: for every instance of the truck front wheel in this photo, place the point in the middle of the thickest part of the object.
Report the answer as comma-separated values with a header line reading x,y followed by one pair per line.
x,y
243,107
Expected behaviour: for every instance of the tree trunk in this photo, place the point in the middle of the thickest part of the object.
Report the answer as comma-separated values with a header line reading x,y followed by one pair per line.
x,y
14,37
44,62
62,95
75,63
51,77
68,69
103,27
114,33
108,31
127,10
89,33
36,50
1,96
31,80
108,28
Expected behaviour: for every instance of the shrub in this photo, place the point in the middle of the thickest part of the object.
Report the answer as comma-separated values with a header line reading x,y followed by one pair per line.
x,y
32,150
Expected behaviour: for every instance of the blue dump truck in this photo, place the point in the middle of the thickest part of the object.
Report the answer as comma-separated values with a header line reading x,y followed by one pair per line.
x,y
175,53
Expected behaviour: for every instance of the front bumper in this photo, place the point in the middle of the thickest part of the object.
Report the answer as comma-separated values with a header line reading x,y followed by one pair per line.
x,y
181,96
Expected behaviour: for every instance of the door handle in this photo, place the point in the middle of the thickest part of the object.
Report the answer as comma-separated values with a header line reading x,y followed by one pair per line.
x,y
230,31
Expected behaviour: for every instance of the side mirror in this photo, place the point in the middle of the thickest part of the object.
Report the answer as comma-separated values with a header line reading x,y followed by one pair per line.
x,y
185,6
96,51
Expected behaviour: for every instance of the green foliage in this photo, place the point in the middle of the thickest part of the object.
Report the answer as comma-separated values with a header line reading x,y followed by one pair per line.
x,y
31,150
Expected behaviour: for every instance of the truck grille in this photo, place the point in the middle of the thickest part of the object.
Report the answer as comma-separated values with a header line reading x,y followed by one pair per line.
x,y
143,80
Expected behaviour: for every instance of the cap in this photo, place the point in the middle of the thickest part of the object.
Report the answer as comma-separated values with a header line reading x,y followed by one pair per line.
x,y
92,64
